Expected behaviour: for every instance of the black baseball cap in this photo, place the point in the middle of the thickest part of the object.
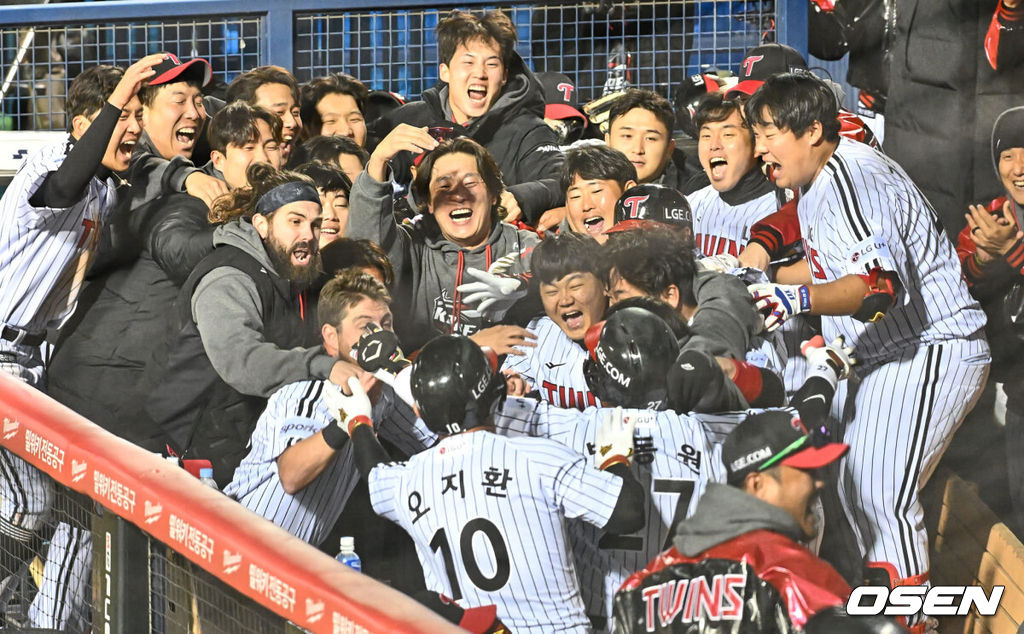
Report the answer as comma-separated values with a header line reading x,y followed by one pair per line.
x,y
762,62
560,97
172,69
775,437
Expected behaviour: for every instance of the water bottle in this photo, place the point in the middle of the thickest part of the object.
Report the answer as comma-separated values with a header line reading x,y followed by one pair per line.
x,y
206,477
348,554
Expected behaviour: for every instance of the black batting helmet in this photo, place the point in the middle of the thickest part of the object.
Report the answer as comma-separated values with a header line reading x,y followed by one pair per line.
x,y
654,202
689,94
456,385
630,355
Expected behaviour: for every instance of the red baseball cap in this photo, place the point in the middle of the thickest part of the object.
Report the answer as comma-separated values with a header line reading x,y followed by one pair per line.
x,y
172,69
762,62
560,97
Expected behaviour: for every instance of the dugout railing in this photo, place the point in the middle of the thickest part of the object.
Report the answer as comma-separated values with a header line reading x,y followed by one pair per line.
x,y
389,44
170,555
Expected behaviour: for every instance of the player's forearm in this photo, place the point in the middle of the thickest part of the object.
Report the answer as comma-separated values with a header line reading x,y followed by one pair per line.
x,y
628,515
796,273
841,297
66,186
304,461
367,450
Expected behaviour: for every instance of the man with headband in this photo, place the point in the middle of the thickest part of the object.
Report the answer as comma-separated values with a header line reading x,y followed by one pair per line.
x,y
242,326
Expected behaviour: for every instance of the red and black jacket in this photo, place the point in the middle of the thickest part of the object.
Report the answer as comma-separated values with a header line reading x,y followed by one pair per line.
x,y
758,582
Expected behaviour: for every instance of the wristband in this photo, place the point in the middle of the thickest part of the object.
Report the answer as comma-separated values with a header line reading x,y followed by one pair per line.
x,y
614,460
356,422
334,435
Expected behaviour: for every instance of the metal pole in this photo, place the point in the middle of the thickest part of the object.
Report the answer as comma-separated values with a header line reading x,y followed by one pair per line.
x,y
20,57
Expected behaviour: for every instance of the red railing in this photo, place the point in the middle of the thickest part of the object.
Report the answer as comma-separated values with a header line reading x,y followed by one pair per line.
x,y
245,551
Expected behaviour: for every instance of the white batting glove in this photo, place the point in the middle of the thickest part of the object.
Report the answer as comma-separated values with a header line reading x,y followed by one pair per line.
x,y
836,358
613,441
492,295
348,410
723,262
779,302
503,264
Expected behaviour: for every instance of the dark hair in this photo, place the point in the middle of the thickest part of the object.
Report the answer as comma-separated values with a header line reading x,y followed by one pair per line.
x,y
485,164
236,124
794,101
147,93
461,27
316,89
668,314
90,90
714,108
645,100
564,254
244,87
596,162
327,148
346,253
652,260
347,288
326,177
241,202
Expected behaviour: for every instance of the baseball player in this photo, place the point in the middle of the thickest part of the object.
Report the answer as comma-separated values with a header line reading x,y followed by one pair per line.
x,y
882,272
487,512
566,267
300,472
675,454
50,218
727,212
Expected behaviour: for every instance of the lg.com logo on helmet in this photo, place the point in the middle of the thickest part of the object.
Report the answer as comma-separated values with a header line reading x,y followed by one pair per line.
x,y
910,600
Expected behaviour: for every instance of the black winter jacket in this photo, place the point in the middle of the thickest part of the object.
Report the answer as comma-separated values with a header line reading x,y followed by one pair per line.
x,y
513,131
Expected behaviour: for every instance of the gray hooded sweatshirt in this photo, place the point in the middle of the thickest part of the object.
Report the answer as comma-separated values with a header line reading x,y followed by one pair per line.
x,y
725,512
227,310
427,266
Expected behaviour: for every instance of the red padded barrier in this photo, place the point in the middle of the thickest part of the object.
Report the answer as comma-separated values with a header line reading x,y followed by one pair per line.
x,y
252,555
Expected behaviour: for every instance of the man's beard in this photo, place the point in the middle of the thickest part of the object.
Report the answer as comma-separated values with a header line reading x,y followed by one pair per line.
x,y
302,276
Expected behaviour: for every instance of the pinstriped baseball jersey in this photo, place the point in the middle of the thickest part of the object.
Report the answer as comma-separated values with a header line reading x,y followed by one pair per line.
x,y
674,460
723,228
554,368
296,412
863,211
488,516
44,252
719,227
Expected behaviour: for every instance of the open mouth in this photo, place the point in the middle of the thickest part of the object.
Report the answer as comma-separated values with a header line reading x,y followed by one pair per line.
x,y
477,93
573,319
185,136
301,255
594,225
125,149
1019,184
717,164
461,215
328,231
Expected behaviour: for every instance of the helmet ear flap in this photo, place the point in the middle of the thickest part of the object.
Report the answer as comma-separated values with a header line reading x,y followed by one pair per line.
x,y
592,338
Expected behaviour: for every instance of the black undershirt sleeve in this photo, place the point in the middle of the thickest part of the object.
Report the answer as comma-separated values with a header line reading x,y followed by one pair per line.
x,y
66,186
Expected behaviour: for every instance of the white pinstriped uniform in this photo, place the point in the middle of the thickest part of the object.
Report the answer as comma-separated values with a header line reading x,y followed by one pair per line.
x,y
488,516
674,460
296,412
723,228
44,254
554,368
922,367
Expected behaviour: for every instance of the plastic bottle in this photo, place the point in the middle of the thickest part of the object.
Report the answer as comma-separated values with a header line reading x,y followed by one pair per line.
x,y
206,477
348,555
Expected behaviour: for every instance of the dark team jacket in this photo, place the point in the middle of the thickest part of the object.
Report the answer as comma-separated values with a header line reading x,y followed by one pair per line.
x,y
753,579
97,368
989,283
513,131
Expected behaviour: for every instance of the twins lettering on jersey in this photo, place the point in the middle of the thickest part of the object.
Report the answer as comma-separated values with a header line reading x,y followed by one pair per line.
x,y
562,396
689,600
716,245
